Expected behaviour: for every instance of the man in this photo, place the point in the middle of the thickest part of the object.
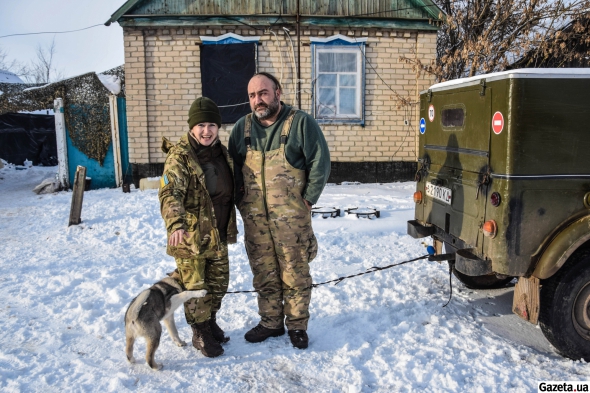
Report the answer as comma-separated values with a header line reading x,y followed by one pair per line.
x,y
196,201
282,163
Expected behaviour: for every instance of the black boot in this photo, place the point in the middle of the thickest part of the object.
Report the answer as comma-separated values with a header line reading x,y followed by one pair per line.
x,y
260,333
203,340
218,333
298,338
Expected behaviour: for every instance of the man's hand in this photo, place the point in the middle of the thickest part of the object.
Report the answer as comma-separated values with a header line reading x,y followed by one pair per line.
x,y
177,237
307,204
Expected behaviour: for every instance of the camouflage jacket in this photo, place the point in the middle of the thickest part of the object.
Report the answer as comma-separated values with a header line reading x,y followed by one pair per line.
x,y
186,204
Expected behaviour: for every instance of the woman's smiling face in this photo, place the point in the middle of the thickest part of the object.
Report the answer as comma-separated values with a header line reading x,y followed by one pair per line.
x,y
205,133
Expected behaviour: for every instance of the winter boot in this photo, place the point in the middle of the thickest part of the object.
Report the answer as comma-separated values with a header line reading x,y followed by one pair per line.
x,y
203,340
218,333
260,333
298,338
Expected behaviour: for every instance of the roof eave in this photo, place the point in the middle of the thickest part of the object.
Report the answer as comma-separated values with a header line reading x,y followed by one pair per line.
x,y
432,9
254,20
121,11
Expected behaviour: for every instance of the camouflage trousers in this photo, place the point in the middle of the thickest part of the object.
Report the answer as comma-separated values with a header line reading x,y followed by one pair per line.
x,y
210,272
282,279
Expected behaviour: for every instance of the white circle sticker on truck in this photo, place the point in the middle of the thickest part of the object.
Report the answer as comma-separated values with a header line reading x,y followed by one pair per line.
x,y
497,122
431,113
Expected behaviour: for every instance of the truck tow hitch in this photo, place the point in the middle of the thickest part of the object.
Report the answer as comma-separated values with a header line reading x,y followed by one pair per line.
x,y
442,257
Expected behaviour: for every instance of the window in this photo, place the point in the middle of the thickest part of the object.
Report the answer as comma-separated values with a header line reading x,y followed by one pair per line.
x,y
227,64
338,76
453,117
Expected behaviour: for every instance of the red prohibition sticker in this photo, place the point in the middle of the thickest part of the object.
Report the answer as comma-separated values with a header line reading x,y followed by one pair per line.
x,y
497,123
431,113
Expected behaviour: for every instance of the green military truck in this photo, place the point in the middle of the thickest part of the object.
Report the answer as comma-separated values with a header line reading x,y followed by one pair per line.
x,y
503,181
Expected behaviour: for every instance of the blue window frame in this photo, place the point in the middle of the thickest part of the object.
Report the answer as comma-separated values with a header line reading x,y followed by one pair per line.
x,y
338,75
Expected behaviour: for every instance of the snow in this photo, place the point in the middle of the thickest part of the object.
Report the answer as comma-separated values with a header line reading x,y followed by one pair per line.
x,y
65,291
560,73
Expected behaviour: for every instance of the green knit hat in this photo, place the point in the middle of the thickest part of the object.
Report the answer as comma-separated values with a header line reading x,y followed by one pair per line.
x,y
203,110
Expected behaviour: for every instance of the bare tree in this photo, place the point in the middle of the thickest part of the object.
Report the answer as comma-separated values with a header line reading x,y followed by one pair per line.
x,y
42,69
3,60
481,36
13,66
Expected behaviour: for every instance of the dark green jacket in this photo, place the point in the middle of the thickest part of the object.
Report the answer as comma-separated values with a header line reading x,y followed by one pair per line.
x,y
186,204
306,148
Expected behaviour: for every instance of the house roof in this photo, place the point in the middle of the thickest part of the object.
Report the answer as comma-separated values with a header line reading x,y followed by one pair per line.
x,y
403,14
9,77
121,11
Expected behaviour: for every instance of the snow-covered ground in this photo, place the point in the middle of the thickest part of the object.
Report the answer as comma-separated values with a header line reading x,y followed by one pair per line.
x,y
64,291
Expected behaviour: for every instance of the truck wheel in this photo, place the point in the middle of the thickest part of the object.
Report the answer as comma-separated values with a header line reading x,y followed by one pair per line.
x,y
489,281
564,316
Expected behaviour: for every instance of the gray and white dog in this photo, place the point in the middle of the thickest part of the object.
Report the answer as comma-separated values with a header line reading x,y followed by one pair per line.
x,y
145,312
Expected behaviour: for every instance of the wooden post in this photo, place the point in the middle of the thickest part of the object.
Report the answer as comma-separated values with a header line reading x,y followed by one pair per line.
x,y
62,147
116,142
78,195
526,301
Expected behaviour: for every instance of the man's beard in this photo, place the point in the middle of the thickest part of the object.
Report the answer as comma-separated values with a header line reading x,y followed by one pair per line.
x,y
270,111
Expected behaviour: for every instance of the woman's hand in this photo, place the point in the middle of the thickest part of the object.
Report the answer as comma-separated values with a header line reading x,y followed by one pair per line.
x,y
177,237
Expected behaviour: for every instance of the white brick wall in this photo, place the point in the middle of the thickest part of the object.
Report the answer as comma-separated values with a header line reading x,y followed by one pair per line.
x,y
163,78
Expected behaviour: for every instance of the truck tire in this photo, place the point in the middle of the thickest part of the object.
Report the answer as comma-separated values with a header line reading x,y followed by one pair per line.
x,y
564,316
489,281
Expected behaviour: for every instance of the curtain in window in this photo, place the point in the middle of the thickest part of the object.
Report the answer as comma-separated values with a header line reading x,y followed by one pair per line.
x,y
337,84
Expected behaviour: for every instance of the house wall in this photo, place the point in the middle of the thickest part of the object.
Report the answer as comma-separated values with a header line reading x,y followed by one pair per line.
x,y
163,78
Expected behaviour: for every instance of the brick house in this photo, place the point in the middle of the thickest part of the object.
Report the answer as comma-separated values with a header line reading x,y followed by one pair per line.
x,y
338,60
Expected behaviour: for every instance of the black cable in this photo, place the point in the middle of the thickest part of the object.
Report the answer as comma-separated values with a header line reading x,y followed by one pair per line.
x,y
336,280
450,284
51,32
280,13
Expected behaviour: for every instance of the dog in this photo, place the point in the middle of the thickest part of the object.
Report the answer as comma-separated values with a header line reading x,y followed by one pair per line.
x,y
143,316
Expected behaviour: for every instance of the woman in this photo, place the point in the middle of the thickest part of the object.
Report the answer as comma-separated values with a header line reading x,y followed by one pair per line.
x,y
196,201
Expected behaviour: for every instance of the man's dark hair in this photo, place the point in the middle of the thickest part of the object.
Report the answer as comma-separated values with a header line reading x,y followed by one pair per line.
x,y
272,78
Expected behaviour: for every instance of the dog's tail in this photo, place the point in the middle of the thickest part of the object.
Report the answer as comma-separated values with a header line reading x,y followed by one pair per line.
x,y
135,306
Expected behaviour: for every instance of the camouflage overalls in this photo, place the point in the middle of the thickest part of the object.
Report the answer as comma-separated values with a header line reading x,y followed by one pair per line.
x,y
279,238
202,259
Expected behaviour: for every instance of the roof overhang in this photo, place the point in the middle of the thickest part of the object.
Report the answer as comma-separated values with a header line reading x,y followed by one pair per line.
x,y
265,21
431,23
121,11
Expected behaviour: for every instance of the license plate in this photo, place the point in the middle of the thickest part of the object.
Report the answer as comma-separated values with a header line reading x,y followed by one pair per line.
x,y
442,194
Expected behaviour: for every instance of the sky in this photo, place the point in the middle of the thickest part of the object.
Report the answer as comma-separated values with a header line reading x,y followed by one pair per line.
x,y
96,49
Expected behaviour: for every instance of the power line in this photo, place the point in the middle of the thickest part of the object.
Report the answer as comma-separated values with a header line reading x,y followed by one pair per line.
x,y
51,32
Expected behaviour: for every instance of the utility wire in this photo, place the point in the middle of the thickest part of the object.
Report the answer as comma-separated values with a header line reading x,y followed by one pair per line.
x,y
51,32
